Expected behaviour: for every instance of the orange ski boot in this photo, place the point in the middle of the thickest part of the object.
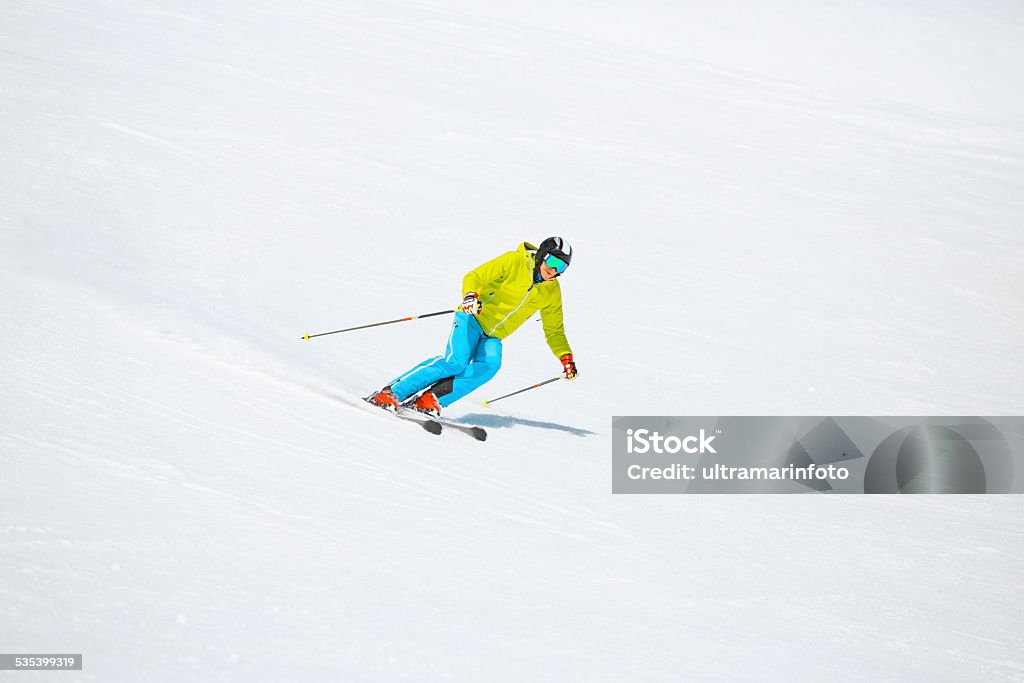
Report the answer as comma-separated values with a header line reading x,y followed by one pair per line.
x,y
428,404
386,399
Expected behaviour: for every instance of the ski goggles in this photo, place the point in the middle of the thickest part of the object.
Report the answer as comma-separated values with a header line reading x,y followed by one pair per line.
x,y
552,261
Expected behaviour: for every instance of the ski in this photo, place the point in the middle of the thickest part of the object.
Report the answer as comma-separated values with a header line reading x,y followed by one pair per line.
x,y
478,433
428,423
434,425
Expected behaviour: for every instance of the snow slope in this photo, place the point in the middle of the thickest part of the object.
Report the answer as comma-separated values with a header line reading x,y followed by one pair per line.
x,y
809,210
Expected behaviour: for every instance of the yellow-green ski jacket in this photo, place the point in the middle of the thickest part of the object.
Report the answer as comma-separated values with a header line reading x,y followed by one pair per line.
x,y
509,296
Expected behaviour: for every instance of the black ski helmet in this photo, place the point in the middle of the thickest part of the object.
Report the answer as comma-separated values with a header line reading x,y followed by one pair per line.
x,y
558,246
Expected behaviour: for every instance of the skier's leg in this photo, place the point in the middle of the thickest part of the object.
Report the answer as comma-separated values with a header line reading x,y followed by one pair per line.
x,y
462,342
484,366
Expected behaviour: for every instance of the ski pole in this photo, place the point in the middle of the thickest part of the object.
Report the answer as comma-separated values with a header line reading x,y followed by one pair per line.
x,y
487,404
307,337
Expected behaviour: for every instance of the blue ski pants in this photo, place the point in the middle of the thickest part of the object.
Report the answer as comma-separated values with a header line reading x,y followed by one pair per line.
x,y
470,357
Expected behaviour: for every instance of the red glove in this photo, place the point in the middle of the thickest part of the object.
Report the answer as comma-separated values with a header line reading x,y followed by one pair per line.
x,y
471,304
568,366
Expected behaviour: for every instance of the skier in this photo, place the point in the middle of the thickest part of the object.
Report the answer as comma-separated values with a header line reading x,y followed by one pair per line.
x,y
498,297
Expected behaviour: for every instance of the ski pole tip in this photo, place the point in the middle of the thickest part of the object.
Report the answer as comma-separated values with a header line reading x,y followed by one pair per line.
x,y
487,404
306,337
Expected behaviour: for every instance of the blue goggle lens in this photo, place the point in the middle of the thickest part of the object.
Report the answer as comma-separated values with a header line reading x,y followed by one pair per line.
x,y
552,261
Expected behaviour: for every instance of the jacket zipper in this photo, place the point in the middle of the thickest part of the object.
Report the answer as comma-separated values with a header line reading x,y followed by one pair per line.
x,y
502,321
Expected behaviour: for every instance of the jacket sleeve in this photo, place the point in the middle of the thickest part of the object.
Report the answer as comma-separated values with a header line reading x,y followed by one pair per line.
x,y
554,331
494,271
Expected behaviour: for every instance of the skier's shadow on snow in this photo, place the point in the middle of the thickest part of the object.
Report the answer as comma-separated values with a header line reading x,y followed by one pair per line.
x,y
492,421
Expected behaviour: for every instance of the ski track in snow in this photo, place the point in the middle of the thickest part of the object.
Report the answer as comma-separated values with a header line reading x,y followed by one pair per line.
x,y
191,492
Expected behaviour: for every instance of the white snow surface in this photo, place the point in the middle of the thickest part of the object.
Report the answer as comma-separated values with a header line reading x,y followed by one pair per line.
x,y
806,208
